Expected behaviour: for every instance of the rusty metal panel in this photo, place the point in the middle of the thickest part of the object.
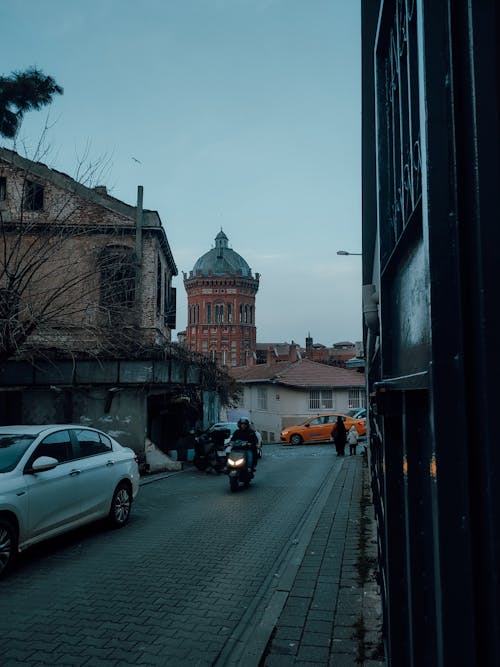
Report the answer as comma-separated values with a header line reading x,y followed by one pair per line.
x,y
95,372
136,371
13,373
406,316
193,375
161,372
57,372
178,371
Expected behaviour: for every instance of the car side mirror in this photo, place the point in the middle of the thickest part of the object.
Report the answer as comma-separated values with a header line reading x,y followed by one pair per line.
x,y
42,464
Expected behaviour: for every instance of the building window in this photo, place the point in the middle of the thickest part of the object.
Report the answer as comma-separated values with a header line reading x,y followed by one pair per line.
x,y
320,399
33,196
117,268
170,304
251,314
158,286
355,398
229,313
241,312
219,314
3,188
209,313
262,398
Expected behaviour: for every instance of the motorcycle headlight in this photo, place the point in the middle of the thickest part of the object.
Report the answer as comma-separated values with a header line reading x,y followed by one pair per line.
x,y
236,462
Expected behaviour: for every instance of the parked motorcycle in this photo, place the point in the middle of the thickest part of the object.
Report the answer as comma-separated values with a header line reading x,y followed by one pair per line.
x,y
238,466
210,451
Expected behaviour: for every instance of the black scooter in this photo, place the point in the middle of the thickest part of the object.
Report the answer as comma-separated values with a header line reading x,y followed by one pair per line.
x,y
238,465
210,451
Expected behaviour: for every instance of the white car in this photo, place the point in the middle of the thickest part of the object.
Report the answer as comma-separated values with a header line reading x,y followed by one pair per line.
x,y
55,478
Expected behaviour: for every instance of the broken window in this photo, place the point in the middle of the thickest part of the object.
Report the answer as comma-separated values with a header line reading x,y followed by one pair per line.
x,y
33,196
118,274
158,287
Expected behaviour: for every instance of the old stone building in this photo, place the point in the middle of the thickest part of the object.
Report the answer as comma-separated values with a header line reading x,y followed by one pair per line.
x,y
86,312
81,269
221,306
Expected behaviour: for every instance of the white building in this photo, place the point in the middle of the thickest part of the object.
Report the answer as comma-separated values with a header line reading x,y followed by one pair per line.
x,y
288,392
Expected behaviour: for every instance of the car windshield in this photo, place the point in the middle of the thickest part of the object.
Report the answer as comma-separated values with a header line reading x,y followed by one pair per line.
x,y
228,425
12,447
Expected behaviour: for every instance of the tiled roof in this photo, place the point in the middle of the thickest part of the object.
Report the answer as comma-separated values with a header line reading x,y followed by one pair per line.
x,y
303,373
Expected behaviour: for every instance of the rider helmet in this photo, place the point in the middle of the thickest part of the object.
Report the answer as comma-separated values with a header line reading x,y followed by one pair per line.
x,y
242,421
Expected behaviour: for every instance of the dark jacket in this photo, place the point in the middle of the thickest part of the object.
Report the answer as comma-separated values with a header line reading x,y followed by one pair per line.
x,y
339,434
247,435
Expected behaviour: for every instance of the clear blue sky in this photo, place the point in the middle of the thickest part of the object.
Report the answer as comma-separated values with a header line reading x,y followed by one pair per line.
x,y
244,114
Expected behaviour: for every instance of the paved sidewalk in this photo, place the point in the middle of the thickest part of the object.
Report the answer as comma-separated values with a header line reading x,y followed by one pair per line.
x,y
332,615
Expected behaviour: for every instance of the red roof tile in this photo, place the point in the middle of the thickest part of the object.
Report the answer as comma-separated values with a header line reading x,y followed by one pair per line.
x,y
303,373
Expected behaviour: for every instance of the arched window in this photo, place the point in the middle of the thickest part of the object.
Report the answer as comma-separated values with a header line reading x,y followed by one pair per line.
x,y
209,313
229,313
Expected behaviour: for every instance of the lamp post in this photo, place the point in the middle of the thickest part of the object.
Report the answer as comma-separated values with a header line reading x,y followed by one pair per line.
x,y
344,252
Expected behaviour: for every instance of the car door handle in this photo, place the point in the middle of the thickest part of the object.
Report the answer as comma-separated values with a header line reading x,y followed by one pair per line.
x,y
110,463
74,473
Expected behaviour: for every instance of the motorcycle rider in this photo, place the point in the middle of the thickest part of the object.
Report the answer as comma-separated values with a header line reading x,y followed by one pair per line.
x,y
246,433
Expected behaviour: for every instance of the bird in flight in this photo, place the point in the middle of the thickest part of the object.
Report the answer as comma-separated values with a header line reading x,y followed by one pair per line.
x,y
136,160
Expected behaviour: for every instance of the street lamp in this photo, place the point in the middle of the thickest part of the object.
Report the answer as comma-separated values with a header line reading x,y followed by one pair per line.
x,y
344,252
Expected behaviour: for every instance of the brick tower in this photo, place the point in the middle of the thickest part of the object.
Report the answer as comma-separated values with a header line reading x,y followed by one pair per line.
x,y
221,306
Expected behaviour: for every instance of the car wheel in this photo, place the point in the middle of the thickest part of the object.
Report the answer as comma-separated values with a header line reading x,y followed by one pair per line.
x,y
120,505
295,439
8,544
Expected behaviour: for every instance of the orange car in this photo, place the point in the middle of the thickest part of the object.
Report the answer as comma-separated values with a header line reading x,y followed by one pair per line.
x,y
319,428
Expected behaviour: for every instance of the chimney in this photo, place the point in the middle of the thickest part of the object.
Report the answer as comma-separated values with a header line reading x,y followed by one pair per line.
x,y
101,189
292,352
271,356
309,344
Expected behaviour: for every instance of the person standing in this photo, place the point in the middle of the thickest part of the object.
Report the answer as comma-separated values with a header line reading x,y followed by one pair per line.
x,y
352,440
339,436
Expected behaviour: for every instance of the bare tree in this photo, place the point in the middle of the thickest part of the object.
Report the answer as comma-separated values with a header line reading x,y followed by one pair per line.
x,y
67,272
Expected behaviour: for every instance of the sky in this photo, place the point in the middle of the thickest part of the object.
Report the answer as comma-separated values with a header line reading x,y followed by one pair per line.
x,y
241,115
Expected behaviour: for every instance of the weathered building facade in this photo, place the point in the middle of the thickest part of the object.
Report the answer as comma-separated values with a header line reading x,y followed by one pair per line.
x,y
80,268
86,312
221,294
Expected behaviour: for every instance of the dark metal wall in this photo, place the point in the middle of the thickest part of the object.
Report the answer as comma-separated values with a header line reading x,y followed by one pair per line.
x,y
431,250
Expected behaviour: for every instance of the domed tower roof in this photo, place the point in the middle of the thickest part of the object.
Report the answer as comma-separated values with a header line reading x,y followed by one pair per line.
x,y
221,260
